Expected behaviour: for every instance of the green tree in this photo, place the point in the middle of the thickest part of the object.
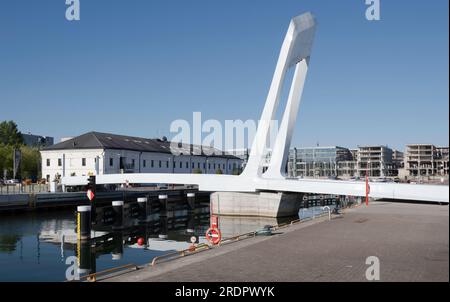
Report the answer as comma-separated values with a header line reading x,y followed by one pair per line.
x,y
219,171
30,164
9,134
197,171
6,160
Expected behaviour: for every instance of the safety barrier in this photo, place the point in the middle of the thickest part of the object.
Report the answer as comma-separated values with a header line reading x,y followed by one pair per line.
x,y
237,237
93,277
198,248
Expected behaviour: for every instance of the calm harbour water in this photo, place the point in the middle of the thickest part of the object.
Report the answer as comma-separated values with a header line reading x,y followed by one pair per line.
x,y
35,246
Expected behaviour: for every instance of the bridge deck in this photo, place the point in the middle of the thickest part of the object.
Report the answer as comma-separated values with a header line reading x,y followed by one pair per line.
x,y
411,241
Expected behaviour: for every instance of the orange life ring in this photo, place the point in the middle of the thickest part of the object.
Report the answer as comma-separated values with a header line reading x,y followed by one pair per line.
x,y
213,235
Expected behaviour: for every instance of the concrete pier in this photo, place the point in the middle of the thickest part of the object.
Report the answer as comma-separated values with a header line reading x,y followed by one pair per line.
x,y
411,242
262,204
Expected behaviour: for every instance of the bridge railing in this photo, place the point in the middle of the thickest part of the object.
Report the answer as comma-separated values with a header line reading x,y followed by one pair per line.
x,y
23,189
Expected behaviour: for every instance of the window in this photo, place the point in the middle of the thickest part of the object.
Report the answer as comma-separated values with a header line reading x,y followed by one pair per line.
x,y
187,165
83,162
59,162
193,165
204,165
132,162
160,164
181,165
214,166
209,166
111,162
144,163
152,163
48,162
167,164
173,166
198,165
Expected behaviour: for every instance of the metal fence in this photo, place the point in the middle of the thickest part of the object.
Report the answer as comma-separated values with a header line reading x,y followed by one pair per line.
x,y
20,188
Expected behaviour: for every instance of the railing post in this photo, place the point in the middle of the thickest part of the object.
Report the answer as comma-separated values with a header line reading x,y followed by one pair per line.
x,y
329,211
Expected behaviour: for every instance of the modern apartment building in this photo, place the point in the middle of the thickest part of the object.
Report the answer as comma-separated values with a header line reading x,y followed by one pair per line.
x,y
375,161
442,160
426,160
398,158
320,162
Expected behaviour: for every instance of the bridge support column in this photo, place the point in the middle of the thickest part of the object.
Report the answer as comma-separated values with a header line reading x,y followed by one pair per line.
x,y
263,204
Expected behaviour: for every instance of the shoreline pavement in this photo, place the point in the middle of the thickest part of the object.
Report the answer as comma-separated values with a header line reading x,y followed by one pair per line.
x,y
411,242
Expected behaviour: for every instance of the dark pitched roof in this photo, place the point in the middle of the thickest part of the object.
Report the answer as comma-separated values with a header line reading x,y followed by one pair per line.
x,y
98,140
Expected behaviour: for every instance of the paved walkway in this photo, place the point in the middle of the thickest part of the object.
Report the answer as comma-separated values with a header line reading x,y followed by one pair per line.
x,y
410,240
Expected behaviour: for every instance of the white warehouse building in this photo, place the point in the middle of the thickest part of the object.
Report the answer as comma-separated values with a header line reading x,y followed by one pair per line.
x,y
96,153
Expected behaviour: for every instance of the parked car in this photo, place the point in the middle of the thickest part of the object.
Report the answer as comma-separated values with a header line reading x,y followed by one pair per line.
x,y
13,181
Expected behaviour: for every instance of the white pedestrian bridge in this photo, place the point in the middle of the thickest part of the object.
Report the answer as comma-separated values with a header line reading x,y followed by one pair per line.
x,y
295,53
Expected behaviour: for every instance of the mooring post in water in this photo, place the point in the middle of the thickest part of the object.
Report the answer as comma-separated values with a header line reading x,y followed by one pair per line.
x,y
142,204
305,201
191,200
117,250
163,221
83,222
86,263
163,216
191,222
118,213
92,184
162,204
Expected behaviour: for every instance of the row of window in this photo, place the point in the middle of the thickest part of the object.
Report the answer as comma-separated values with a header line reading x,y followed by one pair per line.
x,y
152,164
83,162
160,164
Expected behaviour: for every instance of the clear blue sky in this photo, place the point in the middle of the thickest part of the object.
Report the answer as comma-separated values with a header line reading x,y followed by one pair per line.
x,y
131,67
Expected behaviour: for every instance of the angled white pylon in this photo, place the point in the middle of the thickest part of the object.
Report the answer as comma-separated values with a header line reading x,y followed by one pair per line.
x,y
280,150
296,48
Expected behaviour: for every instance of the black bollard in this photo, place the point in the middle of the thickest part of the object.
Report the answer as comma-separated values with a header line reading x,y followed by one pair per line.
x,y
117,250
142,203
191,200
83,222
84,257
163,204
305,201
163,227
191,222
118,214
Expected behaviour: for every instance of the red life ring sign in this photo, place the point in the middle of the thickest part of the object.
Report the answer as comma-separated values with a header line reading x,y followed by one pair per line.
x,y
213,235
